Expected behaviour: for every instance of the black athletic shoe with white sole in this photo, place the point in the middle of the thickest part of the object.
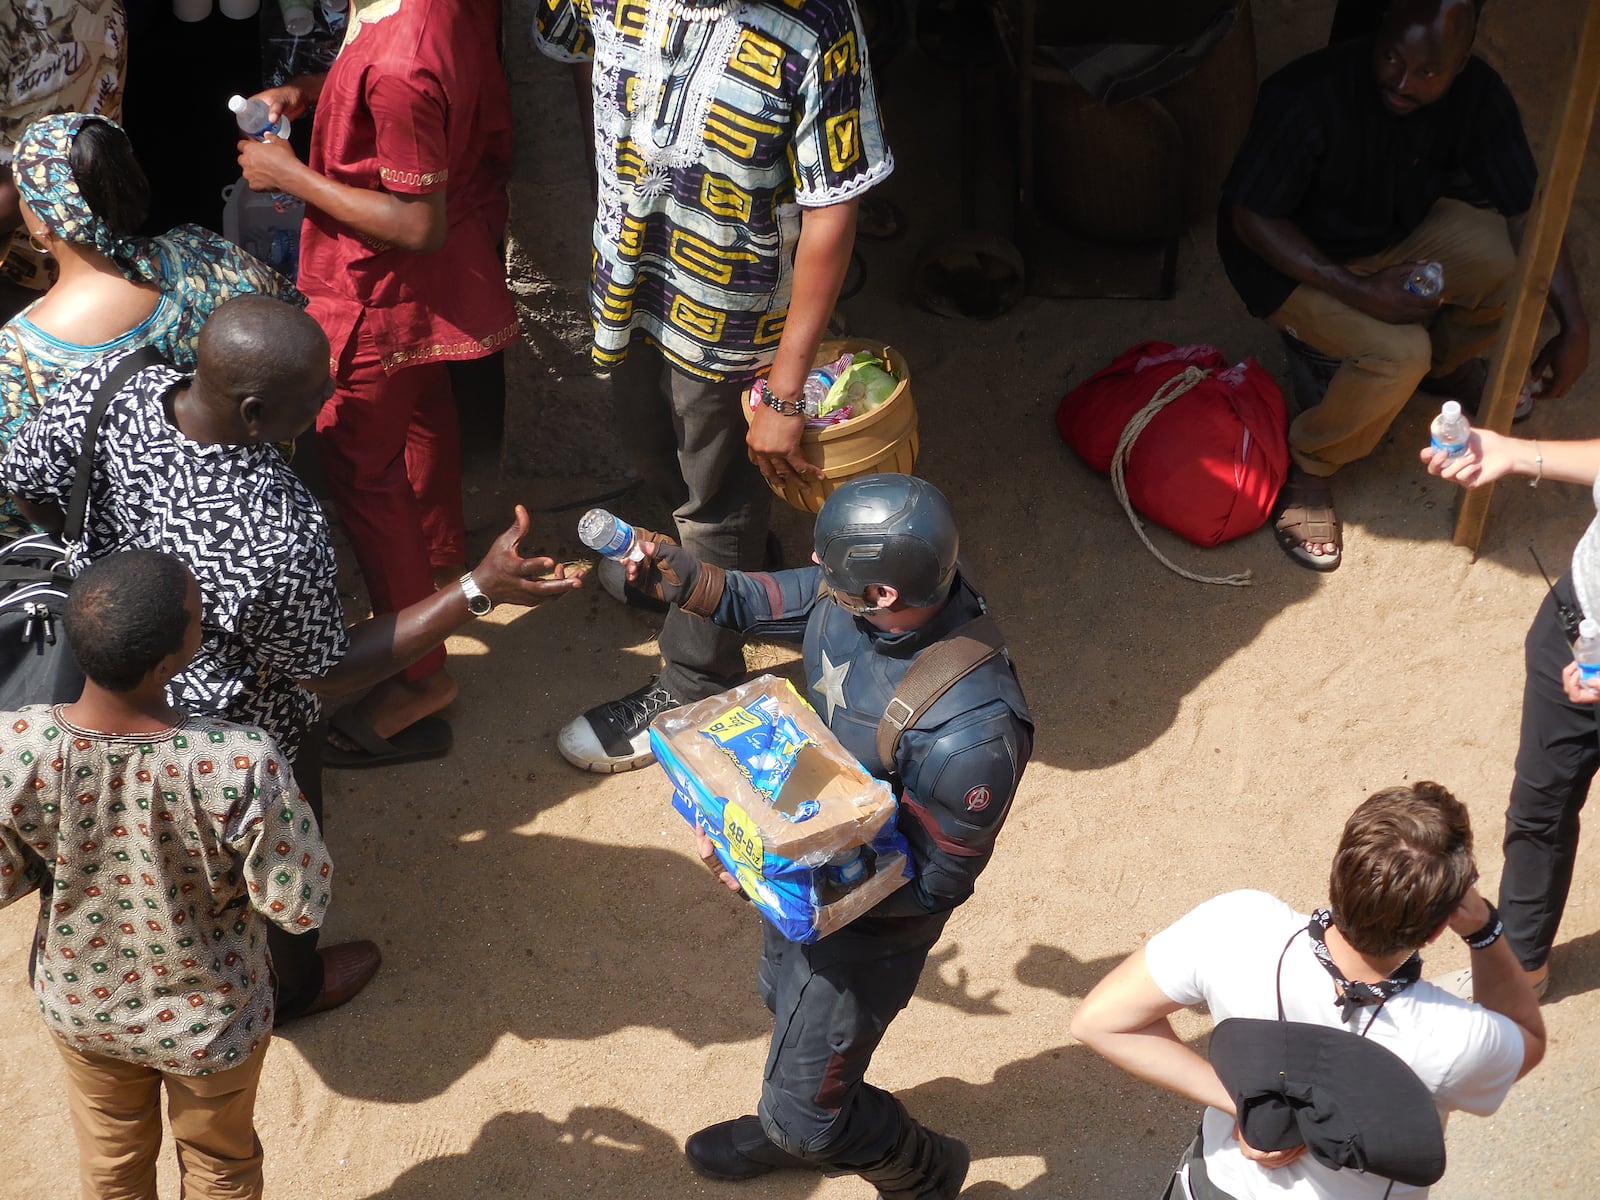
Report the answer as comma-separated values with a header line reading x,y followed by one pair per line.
x,y
615,736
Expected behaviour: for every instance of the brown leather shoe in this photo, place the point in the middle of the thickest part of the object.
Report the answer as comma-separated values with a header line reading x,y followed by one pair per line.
x,y
346,969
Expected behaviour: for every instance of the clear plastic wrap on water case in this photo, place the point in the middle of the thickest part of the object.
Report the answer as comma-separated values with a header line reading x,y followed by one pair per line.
x,y
791,812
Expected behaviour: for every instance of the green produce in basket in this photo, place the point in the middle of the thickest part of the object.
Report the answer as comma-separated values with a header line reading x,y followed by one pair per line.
x,y
861,387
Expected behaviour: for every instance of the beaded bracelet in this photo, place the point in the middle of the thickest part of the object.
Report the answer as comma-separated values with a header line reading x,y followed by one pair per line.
x,y
1489,934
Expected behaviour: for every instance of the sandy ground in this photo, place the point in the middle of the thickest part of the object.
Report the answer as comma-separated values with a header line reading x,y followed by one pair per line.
x,y
565,997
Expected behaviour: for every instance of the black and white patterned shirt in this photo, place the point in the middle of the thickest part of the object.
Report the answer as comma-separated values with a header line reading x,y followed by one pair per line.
x,y
237,515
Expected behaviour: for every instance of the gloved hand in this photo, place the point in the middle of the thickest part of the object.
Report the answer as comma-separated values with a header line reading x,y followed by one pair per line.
x,y
670,573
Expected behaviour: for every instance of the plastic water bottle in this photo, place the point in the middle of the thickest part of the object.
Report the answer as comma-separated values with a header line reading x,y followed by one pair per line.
x,y
1427,280
254,118
1450,429
849,868
1587,652
605,534
820,379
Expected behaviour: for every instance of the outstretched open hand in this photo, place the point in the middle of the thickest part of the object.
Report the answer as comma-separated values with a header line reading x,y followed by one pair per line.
x,y
506,576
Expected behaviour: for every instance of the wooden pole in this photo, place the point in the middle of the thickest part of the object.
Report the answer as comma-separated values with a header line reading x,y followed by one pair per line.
x,y
1541,244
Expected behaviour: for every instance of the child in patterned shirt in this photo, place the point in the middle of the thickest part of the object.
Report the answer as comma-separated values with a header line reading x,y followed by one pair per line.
x,y
165,842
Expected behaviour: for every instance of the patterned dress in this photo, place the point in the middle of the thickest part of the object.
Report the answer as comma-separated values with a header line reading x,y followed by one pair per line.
x,y
241,520
198,269
165,856
55,56
706,153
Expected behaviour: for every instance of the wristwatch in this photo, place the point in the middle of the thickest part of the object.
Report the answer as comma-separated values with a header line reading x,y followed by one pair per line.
x,y
477,602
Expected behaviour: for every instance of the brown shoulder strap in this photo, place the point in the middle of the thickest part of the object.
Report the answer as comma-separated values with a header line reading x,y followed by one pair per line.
x,y
934,673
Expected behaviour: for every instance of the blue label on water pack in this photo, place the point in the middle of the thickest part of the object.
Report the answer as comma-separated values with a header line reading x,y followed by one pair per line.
x,y
1589,673
765,745
1450,448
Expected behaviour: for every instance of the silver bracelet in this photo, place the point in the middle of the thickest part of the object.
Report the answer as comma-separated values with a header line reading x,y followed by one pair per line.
x,y
763,394
1538,463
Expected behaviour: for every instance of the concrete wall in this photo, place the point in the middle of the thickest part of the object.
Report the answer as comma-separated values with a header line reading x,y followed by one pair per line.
x,y
557,414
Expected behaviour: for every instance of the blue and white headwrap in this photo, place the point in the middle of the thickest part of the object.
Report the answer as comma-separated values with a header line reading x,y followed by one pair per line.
x,y
42,168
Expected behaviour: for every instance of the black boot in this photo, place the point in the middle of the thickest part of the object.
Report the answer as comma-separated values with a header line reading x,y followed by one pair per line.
x,y
738,1149
924,1165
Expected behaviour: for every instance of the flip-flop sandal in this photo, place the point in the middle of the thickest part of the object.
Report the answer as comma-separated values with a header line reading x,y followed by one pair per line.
x,y
1304,513
430,737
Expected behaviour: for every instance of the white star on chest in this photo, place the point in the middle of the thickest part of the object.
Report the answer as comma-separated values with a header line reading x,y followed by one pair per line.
x,y
831,685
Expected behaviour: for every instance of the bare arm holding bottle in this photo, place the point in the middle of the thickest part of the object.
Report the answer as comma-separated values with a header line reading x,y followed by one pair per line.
x,y
408,220
1490,456
1381,294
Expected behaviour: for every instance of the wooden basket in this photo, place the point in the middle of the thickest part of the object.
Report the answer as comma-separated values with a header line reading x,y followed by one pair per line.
x,y
883,440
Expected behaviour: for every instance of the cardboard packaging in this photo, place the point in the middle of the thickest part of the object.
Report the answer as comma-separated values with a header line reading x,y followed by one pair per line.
x,y
784,802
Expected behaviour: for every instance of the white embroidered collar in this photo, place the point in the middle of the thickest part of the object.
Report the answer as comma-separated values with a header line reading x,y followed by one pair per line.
x,y
367,12
687,10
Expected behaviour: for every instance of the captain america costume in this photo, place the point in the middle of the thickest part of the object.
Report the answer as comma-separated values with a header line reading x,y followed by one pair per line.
x,y
955,773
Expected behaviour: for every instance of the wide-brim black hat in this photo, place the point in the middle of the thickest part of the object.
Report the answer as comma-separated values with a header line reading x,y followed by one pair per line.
x,y
1353,1103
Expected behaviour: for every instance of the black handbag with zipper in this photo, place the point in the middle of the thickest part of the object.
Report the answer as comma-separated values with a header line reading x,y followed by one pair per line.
x,y
36,663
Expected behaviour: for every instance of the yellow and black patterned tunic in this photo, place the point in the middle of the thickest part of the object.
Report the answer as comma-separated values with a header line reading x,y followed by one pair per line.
x,y
710,136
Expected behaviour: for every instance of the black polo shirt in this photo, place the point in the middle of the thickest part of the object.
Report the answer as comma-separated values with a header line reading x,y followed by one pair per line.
x,y
1324,152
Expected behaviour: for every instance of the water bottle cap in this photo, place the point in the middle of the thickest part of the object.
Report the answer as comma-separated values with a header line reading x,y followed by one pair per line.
x,y
1588,628
1452,408
237,103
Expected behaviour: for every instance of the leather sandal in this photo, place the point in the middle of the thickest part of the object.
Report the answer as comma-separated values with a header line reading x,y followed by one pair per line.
x,y
1304,513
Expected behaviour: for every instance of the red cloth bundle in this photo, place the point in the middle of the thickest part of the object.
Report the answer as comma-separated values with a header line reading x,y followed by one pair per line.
x,y
1209,464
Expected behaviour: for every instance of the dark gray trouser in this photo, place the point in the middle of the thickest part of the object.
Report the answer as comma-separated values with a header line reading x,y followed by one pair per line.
x,y
1556,761
831,1002
685,437
294,955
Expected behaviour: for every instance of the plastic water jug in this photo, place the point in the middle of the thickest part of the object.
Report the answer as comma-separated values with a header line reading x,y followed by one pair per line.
x,y
265,225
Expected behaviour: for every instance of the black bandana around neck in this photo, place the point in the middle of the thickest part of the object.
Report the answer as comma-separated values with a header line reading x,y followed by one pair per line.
x,y
1353,996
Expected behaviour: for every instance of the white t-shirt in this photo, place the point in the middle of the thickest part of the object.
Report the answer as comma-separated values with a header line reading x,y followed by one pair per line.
x,y
1586,564
1225,954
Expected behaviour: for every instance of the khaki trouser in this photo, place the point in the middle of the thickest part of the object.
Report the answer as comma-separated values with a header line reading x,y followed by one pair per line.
x,y
1383,363
116,1114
